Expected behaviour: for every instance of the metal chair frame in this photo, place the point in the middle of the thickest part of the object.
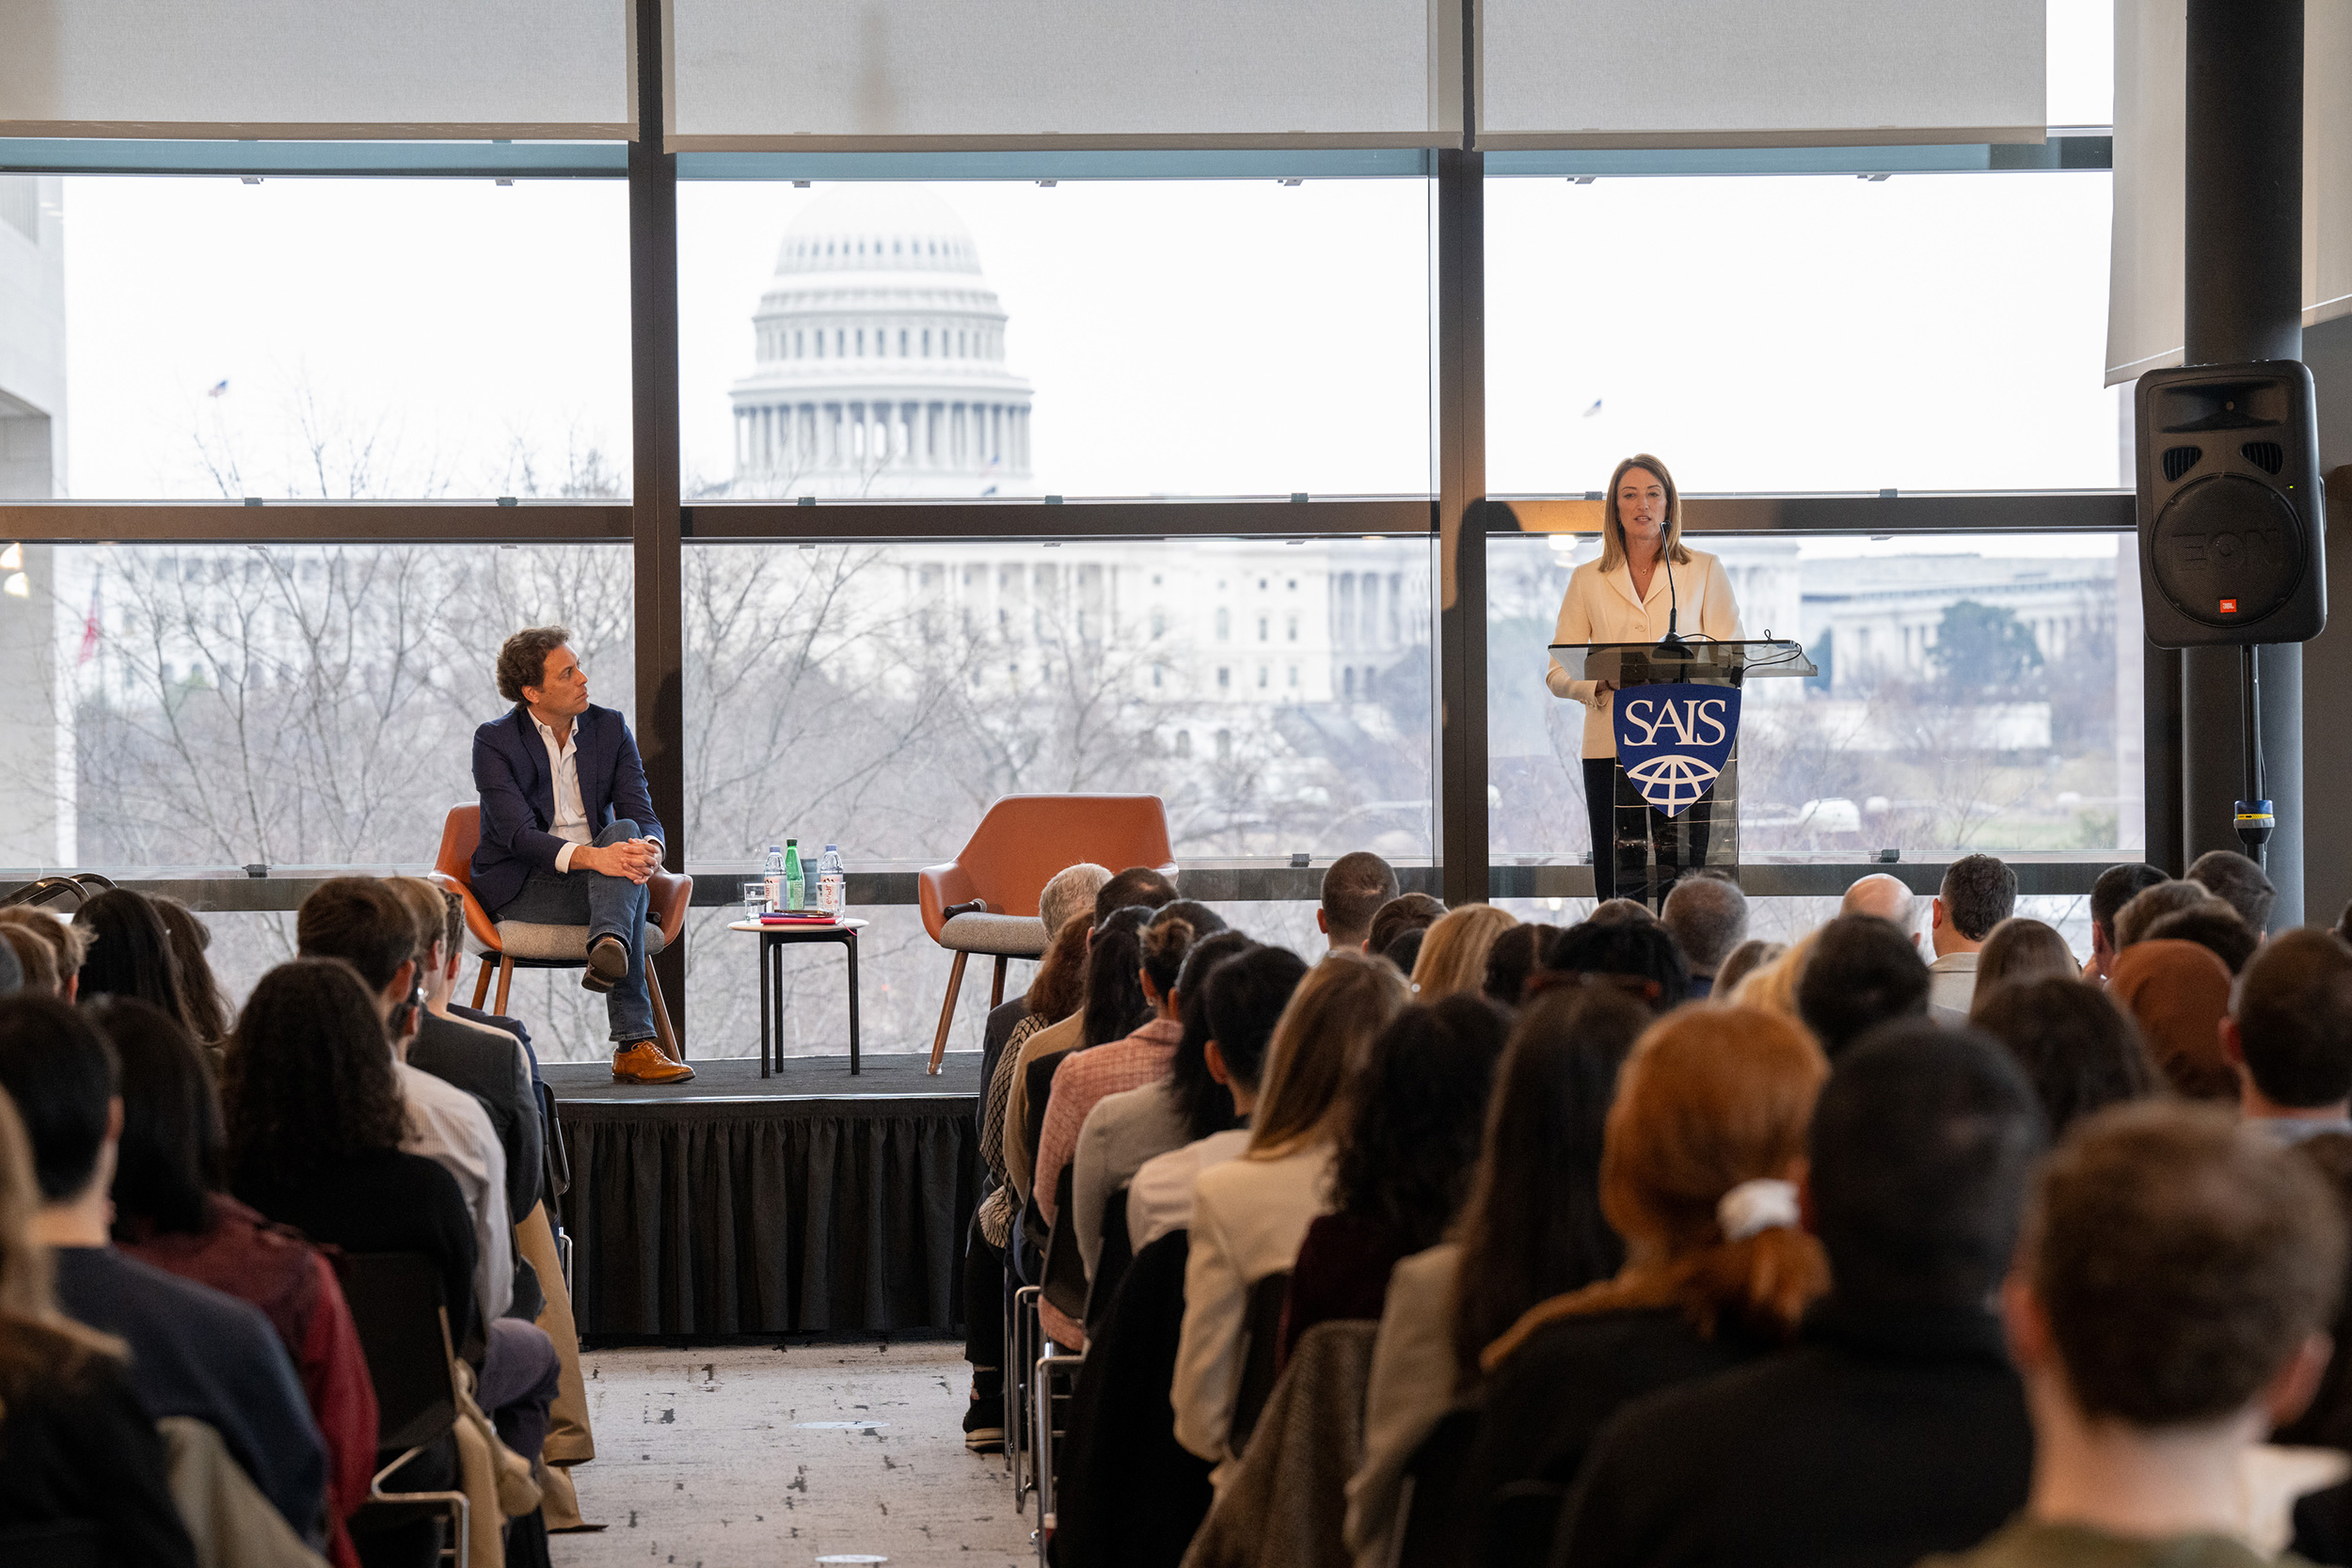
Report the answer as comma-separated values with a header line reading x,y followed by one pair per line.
x,y
1042,1390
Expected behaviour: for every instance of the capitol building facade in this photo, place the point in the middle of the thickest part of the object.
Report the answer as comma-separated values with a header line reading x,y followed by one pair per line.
x,y
879,360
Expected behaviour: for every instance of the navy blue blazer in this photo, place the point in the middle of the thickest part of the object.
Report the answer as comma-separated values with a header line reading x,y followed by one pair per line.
x,y
509,769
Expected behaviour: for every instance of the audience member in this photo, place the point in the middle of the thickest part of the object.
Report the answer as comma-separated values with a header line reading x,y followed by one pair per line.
x,y
2289,1034
486,1063
65,941
1862,973
2020,949
2178,993
1639,957
1532,1228
1698,1174
127,952
1978,892
1772,986
1067,893
36,961
1186,1103
1250,1214
193,1351
2077,1047
82,1453
2116,887
2151,904
1708,916
1406,912
1139,887
1897,1427
1517,953
1054,993
319,1139
1453,952
1405,952
168,1213
362,922
11,971
2212,924
1140,1057
1744,960
1112,1007
2237,882
2170,1307
1357,887
1417,1107
1886,895
1247,998
191,938
1621,911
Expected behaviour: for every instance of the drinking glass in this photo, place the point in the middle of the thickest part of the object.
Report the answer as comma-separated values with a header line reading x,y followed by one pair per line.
x,y
754,899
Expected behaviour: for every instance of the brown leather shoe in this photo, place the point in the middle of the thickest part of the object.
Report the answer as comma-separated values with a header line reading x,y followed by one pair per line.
x,y
644,1063
608,963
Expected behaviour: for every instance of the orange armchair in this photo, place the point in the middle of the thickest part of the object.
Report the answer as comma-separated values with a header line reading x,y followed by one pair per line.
x,y
516,944
1017,848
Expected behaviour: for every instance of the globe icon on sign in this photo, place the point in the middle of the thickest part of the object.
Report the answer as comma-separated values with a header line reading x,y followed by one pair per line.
x,y
1672,783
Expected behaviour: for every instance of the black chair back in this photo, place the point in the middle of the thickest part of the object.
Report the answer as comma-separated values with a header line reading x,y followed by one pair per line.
x,y
1110,1260
1261,1362
396,1306
60,1543
1065,1279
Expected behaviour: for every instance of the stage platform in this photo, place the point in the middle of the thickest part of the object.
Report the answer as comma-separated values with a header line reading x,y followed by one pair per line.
x,y
737,1205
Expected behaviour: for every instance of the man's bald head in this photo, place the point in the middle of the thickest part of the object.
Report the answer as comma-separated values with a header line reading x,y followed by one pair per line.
x,y
1885,896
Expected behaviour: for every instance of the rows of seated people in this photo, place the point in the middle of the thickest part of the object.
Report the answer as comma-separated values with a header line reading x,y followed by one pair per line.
x,y
183,1380
1639,1242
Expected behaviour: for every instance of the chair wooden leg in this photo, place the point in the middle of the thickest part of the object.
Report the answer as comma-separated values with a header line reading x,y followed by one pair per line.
x,y
506,979
663,1032
482,983
947,1011
996,987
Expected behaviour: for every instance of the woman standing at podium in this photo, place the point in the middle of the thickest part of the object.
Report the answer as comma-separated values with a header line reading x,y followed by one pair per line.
x,y
1646,580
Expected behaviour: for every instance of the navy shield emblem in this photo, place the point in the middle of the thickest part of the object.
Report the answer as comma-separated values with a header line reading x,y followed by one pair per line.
x,y
1672,740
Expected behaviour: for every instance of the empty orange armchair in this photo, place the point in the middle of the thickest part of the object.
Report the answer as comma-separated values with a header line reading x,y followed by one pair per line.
x,y
985,900
515,944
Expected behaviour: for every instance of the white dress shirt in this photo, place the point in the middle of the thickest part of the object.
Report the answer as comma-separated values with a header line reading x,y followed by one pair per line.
x,y
1952,987
1603,608
571,810
449,1126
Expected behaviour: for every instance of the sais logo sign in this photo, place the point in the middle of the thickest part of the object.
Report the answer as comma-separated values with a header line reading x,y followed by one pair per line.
x,y
1672,740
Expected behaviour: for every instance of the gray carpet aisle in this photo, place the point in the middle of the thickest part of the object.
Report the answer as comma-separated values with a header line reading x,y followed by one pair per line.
x,y
707,1459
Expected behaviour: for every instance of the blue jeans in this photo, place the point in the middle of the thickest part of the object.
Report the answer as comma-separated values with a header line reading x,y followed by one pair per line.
x,y
608,905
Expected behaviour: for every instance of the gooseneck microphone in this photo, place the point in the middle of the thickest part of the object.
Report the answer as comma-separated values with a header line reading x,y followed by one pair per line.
x,y
1673,640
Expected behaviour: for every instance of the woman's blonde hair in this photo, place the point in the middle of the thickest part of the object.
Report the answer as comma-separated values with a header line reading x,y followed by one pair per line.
x,y
1711,1097
1612,526
28,1304
1773,987
1453,952
1316,1047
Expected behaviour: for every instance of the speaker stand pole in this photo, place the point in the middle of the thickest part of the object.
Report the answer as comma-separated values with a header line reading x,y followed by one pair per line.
x,y
2243,271
2255,819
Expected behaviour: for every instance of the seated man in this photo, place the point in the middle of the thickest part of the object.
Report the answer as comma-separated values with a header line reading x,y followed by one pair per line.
x,y
1886,897
568,834
1978,892
1896,1428
1707,914
1355,888
2289,1034
193,1351
1863,973
2116,886
2170,1307
2237,882
486,1063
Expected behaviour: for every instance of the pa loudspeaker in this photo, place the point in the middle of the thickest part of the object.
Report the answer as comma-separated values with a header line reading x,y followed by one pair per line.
x,y
2231,510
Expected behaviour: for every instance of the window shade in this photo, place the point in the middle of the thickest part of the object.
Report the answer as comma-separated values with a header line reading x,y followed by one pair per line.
x,y
1736,73
311,69
2145,321
1017,74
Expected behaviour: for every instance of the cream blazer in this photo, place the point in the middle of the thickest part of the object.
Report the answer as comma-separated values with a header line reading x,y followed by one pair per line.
x,y
1600,608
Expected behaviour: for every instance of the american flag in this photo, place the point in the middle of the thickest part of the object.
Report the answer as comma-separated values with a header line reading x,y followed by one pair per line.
x,y
91,630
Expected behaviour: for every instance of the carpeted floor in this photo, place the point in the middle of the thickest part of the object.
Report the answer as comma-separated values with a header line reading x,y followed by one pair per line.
x,y
722,1457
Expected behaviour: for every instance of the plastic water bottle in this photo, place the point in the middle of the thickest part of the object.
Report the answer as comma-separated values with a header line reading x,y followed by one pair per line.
x,y
795,887
832,883
775,876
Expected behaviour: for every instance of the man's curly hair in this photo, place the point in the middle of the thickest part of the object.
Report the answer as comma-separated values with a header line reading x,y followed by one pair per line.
x,y
523,659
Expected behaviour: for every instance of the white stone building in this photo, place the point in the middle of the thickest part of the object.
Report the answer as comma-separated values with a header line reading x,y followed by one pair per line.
x,y
37,761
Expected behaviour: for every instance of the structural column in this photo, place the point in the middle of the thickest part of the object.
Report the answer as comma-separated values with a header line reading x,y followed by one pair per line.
x,y
2243,263
655,529
1460,643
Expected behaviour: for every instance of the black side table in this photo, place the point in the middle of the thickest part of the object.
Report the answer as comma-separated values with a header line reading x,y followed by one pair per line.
x,y
773,942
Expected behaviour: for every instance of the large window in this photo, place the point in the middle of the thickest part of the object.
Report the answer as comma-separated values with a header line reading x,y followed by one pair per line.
x,y
1802,333
1977,692
343,340
1089,338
